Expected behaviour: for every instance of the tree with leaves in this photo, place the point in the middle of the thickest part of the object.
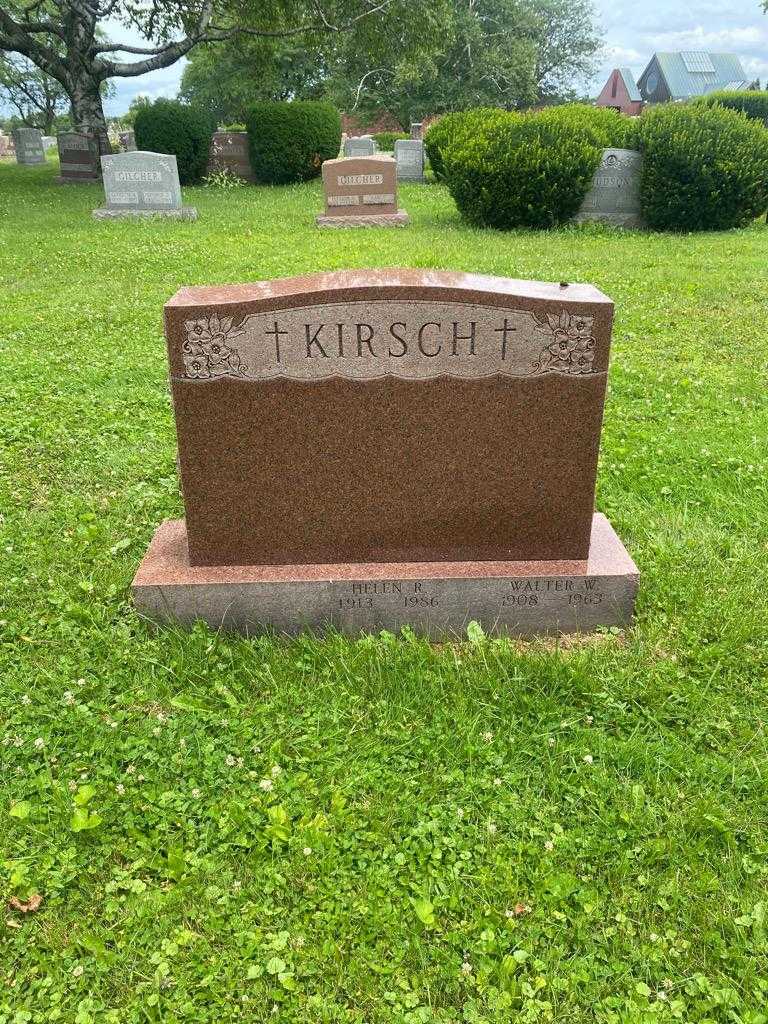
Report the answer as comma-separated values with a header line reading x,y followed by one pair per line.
x,y
67,40
37,99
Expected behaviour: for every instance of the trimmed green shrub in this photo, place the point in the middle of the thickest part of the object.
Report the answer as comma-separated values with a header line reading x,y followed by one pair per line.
x,y
605,127
751,102
167,126
706,168
522,170
289,141
446,132
386,140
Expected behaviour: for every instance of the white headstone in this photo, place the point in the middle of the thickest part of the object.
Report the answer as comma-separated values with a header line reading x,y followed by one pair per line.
x,y
409,154
362,145
614,197
142,184
28,143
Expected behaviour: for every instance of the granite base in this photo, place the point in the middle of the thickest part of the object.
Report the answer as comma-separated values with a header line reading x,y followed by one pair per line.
x,y
181,213
377,220
433,598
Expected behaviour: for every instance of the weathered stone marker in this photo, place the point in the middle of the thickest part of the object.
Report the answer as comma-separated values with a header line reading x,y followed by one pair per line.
x,y
360,145
141,184
28,143
370,449
614,197
230,152
78,158
128,141
361,192
416,129
409,156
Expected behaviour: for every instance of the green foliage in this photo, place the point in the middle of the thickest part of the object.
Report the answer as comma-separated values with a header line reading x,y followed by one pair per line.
x,y
386,140
603,126
706,168
289,141
443,134
751,102
167,126
335,826
523,170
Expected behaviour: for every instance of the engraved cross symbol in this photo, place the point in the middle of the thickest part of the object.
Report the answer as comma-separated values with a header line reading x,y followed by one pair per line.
x,y
504,331
277,332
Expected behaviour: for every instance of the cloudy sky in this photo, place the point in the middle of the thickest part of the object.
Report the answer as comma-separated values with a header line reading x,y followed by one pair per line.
x,y
633,30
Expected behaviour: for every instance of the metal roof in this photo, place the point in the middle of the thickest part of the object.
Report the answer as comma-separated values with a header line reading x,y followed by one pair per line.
x,y
631,85
683,82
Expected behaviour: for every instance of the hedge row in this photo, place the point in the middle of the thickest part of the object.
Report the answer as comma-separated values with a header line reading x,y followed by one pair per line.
x,y
288,141
386,140
705,166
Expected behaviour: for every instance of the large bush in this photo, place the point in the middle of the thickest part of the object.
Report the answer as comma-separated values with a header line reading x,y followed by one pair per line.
x,y
605,127
289,141
752,103
446,132
386,140
167,126
706,168
522,170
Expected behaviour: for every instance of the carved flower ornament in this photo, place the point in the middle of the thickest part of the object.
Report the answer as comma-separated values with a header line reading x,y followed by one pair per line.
x,y
208,351
572,346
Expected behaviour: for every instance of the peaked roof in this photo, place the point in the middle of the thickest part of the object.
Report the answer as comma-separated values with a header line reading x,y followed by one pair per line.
x,y
631,84
696,72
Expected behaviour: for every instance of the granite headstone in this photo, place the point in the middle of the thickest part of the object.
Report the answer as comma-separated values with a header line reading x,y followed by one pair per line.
x,y
230,153
373,449
28,143
359,145
78,157
416,129
142,184
614,197
409,155
361,192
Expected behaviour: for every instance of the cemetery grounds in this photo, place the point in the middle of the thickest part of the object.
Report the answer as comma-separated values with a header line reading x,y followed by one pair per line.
x,y
201,827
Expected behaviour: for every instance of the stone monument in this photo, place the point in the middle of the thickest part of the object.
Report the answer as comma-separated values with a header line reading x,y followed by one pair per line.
x,y
614,197
142,184
361,192
360,145
409,156
416,129
230,152
127,141
28,143
78,158
370,449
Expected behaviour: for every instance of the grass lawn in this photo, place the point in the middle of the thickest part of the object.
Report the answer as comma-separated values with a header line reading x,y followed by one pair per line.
x,y
376,830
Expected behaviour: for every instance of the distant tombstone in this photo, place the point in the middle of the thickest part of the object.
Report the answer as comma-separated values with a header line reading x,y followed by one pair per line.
x,y
230,153
78,157
4,144
416,129
359,145
614,197
28,143
127,141
141,184
361,192
409,155
49,141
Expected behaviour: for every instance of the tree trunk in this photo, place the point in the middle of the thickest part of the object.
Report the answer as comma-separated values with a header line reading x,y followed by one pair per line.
x,y
87,109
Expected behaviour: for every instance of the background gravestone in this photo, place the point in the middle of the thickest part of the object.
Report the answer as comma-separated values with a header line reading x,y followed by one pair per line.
x,y
371,449
361,192
141,184
416,129
128,141
359,146
28,143
49,141
230,152
409,154
78,158
614,197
